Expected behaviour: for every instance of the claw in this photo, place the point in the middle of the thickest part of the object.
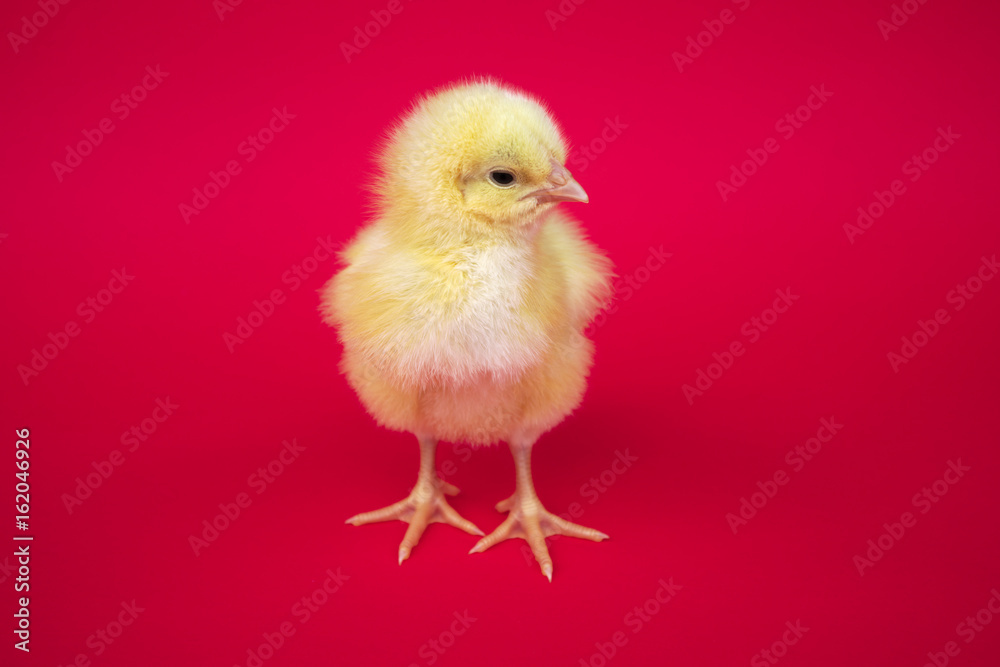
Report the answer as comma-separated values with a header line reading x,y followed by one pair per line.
x,y
505,504
449,489
500,534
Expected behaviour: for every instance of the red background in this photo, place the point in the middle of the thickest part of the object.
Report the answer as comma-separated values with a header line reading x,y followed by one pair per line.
x,y
654,185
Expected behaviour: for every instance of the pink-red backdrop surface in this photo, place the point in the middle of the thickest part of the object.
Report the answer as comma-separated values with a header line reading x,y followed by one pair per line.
x,y
665,119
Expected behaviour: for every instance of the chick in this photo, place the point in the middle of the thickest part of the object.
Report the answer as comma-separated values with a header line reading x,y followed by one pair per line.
x,y
461,307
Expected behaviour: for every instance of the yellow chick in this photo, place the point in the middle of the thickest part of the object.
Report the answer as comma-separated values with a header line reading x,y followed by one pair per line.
x,y
461,307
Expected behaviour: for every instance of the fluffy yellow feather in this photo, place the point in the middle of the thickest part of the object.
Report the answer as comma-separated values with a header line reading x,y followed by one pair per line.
x,y
461,306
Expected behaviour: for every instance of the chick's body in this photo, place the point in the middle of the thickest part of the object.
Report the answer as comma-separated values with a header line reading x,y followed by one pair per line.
x,y
461,307
472,343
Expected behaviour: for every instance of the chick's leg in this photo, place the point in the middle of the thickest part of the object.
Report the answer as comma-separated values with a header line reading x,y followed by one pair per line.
x,y
528,518
426,504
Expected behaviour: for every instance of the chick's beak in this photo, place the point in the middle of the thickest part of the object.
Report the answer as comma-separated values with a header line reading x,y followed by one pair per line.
x,y
561,186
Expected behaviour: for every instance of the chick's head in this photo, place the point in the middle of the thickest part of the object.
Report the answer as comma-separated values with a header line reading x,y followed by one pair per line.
x,y
476,154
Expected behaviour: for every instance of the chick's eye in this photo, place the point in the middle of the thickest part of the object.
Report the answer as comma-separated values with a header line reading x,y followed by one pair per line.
x,y
502,178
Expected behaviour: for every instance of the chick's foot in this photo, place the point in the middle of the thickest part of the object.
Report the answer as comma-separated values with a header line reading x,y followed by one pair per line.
x,y
426,504
529,520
